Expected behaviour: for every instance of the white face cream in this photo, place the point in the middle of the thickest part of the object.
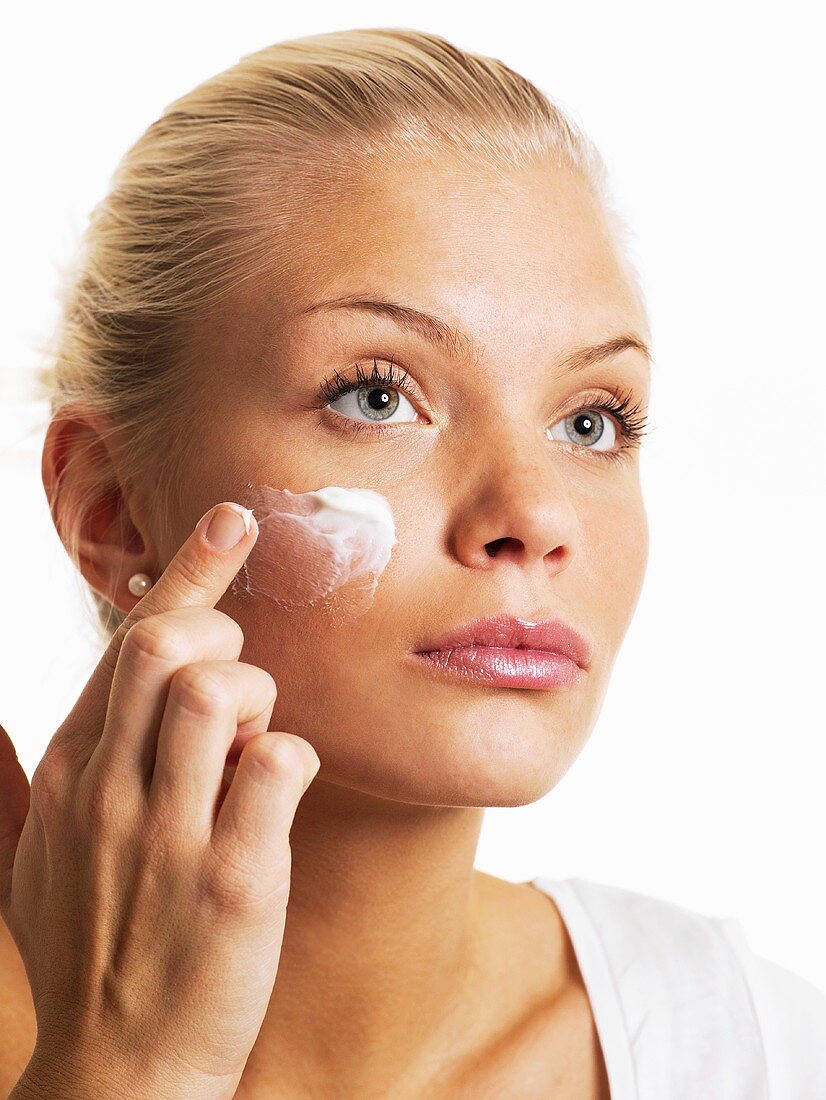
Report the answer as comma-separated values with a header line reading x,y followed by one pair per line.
x,y
327,547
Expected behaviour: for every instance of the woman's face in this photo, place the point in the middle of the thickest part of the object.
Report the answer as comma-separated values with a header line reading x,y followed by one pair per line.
x,y
523,265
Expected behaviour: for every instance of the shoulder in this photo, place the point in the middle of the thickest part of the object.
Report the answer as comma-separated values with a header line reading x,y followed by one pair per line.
x,y
695,999
651,939
792,1016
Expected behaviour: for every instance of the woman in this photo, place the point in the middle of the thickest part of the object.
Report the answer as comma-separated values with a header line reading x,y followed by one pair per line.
x,y
368,290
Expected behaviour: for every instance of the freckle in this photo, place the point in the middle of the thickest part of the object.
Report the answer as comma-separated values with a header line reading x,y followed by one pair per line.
x,y
326,548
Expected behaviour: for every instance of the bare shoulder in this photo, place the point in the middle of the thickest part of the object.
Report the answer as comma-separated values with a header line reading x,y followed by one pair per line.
x,y
18,1025
549,1045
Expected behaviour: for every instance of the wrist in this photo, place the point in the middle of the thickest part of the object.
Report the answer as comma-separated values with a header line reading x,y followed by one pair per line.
x,y
47,1078
58,1077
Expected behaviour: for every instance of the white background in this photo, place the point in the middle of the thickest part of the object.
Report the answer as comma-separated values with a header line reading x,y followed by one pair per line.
x,y
703,780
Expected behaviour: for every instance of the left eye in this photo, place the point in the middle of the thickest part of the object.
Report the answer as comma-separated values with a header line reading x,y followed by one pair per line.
x,y
378,403
588,427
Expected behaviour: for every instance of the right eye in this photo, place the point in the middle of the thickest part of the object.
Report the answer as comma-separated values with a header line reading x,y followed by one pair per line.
x,y
376,403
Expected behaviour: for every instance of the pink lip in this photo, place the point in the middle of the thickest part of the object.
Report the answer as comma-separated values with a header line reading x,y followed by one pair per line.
x,y
511,652
508,632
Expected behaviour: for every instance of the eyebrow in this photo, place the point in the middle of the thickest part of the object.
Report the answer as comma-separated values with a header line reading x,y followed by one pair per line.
x,y
441,334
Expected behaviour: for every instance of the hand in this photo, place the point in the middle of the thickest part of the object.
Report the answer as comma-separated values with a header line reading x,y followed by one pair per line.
x,y
147,898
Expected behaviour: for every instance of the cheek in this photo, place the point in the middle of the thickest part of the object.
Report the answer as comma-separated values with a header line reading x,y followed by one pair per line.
x,y
617,557
326,548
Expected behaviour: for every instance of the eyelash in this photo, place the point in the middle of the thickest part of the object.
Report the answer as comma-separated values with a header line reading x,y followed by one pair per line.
x,y
627,412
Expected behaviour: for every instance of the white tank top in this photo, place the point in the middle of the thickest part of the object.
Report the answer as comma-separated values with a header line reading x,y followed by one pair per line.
x,y
683,1008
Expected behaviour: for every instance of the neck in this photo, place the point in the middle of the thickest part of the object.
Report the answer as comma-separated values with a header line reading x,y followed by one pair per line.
x,y
383,945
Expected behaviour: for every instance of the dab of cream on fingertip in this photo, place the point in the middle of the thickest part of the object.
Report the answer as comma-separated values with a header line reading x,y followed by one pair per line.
x,y
245,514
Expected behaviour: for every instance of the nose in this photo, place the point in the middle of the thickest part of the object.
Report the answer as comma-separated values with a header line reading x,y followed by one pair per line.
x,y
516,512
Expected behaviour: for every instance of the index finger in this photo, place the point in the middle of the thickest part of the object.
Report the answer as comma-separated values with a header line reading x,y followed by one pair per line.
x,y
198,575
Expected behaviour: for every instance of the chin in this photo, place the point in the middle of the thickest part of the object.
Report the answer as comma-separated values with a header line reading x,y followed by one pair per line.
x,y
480,765
471,791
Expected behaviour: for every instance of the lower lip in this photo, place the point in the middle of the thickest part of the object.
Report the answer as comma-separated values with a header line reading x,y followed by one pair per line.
x,y
537,669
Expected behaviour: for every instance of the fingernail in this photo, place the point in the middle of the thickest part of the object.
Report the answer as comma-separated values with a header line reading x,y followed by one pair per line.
x,y
227,525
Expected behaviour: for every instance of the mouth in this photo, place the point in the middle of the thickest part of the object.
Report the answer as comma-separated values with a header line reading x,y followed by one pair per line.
x,y
505,651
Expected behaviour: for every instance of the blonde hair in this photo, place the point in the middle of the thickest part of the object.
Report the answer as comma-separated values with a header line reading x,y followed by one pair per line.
x,y
213,191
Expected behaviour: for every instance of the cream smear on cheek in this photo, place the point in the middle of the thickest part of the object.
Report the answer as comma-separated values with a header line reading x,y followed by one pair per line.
x,y
326,548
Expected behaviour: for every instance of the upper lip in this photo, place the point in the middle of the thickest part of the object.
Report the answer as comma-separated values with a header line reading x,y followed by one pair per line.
x,y
510,632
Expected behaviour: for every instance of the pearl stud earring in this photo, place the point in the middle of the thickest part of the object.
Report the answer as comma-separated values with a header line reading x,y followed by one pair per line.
x,y
139,583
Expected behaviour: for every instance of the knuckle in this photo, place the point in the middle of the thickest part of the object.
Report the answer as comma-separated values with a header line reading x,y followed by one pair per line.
x,y
273,755
267,682
270,680
206,622
201,689
230,626
112,653
234,885
155,640
227,890
192,573
48,782
119,636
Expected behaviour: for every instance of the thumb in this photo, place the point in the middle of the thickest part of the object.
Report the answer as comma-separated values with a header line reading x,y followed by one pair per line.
x,y
14,809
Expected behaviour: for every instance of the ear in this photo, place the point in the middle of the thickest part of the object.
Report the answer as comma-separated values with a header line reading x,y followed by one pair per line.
x,y
93,516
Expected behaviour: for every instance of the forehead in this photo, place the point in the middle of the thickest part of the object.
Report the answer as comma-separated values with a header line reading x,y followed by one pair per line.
x,y
525,254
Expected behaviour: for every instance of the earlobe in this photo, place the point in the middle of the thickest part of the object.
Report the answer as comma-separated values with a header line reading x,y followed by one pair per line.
x,y
139,584
88,507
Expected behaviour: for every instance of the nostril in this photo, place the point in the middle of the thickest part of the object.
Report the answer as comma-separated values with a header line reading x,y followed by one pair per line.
x,y
494,547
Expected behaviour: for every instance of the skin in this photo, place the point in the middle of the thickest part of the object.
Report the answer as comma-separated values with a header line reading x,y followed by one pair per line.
x,y
403,969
